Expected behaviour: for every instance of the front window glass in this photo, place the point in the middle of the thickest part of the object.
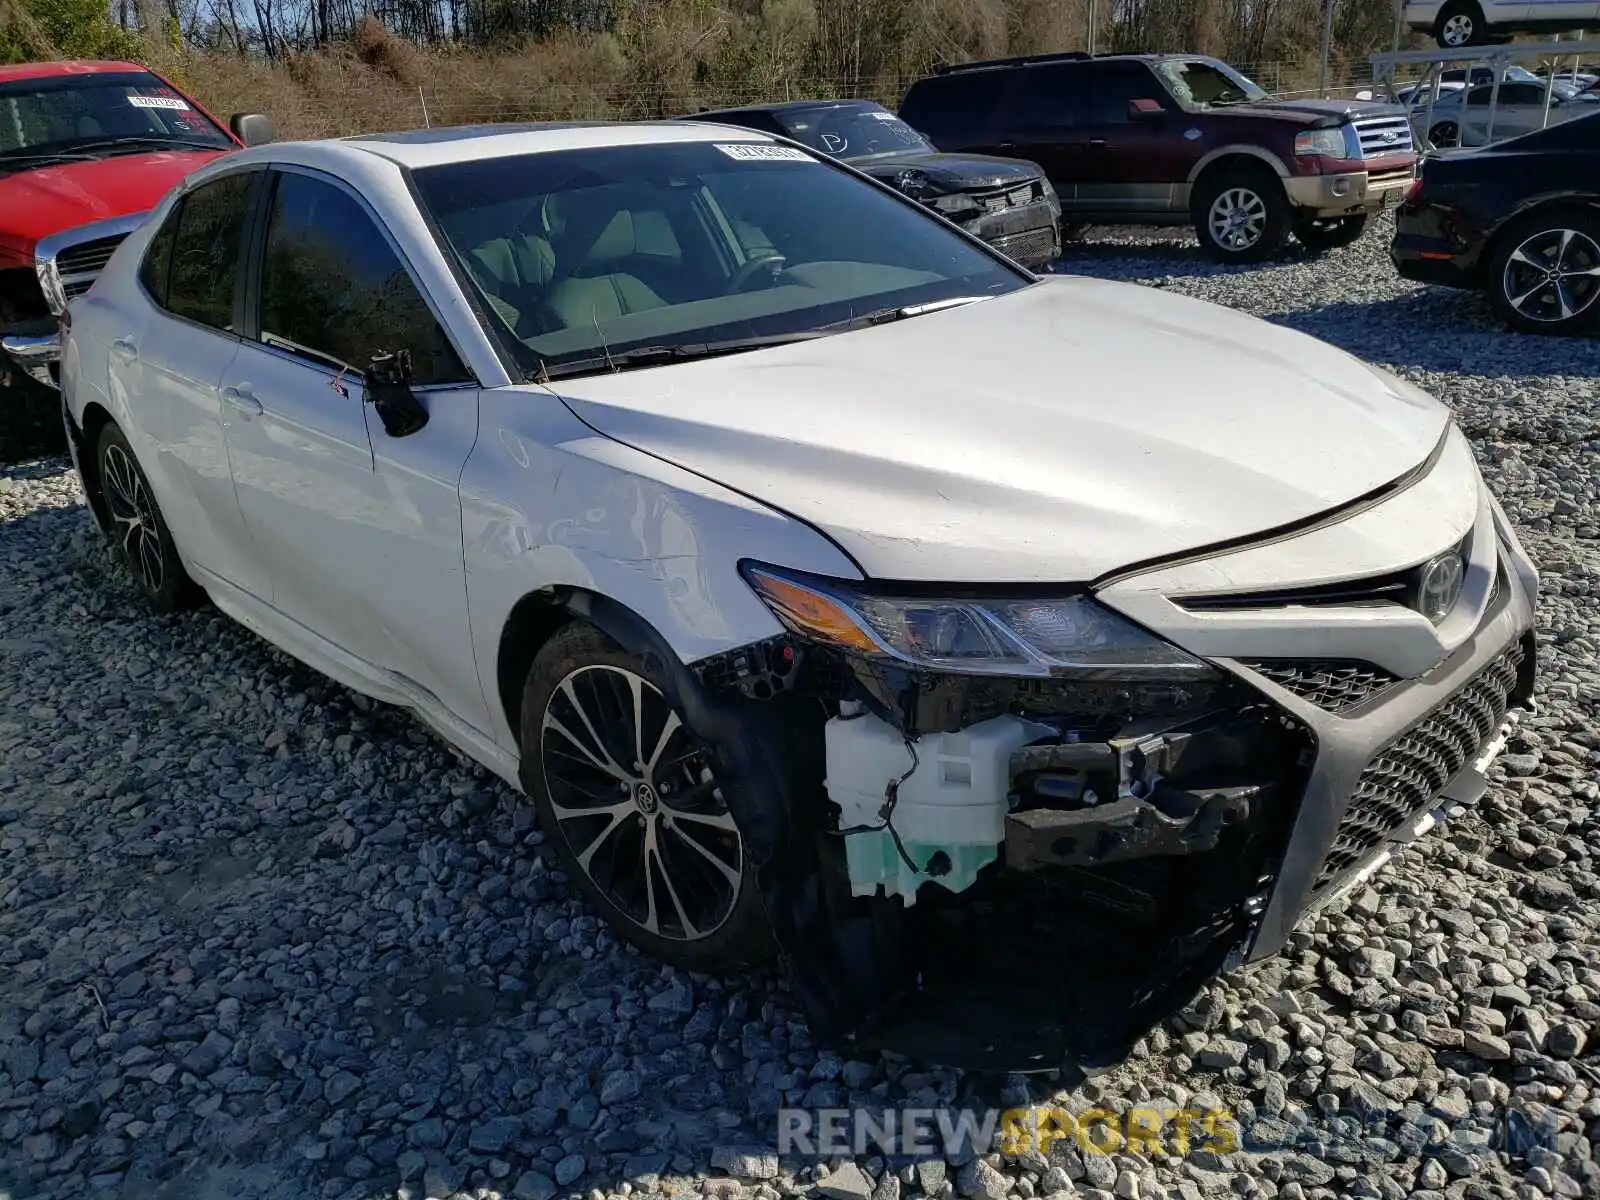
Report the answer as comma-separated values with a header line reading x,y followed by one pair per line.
x,y
1198,84
91,116
586,253
852,131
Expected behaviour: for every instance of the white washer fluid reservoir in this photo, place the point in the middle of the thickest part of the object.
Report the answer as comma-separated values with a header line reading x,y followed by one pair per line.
x,y
950,809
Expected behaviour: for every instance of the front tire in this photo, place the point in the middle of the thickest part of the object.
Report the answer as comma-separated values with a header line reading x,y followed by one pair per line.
x,y
1319,236
628,799
1544,274
139,533
1461,24
1241,215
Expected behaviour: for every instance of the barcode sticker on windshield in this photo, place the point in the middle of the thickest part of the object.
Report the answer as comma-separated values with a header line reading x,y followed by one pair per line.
x,y
171,102
761,152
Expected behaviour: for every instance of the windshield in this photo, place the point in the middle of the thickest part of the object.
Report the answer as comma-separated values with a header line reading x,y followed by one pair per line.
x,y
586,253
84,116
1198,84
855,131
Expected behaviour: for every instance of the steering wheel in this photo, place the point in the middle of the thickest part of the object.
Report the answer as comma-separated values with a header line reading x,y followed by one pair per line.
x,y
772,263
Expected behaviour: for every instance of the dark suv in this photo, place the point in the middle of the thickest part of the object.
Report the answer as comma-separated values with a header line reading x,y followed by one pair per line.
x,y
1005,201
1163,139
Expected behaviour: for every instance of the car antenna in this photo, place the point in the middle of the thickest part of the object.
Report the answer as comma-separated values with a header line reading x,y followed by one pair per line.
x,y
594,315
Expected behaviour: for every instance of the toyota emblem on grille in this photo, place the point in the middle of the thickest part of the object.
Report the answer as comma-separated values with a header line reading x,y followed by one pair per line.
x,y
1439,586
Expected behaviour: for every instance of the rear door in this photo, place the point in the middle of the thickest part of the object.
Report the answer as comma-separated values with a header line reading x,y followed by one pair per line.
x,y
361,530
1043,120
172,371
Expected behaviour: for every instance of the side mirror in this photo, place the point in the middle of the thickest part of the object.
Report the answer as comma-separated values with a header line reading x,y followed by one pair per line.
x,y
1144,110
389,392
253,129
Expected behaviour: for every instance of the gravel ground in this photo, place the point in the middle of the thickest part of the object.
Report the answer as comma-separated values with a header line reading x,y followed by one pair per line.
x,y
261,938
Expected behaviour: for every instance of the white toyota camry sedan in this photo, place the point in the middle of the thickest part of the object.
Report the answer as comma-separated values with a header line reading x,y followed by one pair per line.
x,y
831,585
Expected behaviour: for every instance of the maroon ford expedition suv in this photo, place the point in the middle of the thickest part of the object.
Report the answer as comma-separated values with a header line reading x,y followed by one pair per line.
x,y
1164,139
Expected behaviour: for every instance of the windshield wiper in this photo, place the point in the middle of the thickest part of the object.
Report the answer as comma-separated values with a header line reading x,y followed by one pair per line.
x,y
655,356
7,160
143,140
882,316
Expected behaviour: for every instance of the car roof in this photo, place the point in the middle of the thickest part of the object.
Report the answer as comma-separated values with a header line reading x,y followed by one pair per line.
x,y
70,66
466,143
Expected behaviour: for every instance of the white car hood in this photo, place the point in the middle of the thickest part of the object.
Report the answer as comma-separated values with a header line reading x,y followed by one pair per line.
x,y
1053,435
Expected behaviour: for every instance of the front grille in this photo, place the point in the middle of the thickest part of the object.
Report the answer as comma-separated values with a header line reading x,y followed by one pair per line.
x,y
1403,780
1010,197
1336,685
1381,136
1031,247
77,267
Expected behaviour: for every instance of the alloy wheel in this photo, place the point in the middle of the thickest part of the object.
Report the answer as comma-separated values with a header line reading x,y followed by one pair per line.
x,y
1553,275
1457,30
1237,218
635,799
133,518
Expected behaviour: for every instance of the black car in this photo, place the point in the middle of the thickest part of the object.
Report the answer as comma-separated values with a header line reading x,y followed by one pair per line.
x,y
1006,202
1519,219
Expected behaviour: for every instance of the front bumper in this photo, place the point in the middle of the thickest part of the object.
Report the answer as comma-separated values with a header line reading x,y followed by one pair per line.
x,y
1347,192
34,352
1029,235
1385,765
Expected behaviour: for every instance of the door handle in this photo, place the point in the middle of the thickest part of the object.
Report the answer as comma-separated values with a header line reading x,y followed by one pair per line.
x,y
1097,143
124,349
1008,145
242,400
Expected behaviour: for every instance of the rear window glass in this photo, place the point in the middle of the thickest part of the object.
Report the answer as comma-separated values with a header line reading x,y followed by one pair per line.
x,y
953,109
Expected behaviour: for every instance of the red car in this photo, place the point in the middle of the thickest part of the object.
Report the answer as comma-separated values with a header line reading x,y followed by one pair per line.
x,y
86,149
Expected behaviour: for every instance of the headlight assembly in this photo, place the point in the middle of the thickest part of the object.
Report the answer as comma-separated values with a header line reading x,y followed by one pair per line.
x,y
1053,636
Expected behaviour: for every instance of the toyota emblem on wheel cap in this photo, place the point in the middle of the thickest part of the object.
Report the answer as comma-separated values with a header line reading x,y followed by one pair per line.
x,y
1439,586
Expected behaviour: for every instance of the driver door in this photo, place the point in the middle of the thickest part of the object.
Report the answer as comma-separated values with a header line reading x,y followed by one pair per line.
x,y
360,531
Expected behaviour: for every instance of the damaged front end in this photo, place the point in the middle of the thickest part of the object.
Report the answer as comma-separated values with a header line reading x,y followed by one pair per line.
x,y
1019,831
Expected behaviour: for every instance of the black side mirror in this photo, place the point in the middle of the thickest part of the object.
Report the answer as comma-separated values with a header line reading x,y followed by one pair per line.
x,y
389,392
253,129
1144,110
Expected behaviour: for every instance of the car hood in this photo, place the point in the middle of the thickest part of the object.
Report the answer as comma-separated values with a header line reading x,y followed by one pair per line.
x,y
950,171
37,203
1309,112
1055,434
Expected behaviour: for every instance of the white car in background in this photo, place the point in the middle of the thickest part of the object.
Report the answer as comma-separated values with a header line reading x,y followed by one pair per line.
x,y
1456,23
1460,116
804,560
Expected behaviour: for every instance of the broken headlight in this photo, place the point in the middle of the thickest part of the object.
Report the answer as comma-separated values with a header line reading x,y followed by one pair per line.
x,y
1015,636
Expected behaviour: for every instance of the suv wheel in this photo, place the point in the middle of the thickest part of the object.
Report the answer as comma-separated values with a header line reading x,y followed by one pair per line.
x,y
1460,24
1329,234
1544,274
1241,215
627,795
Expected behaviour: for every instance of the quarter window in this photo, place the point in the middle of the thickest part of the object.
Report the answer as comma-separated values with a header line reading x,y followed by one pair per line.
x,y
333,289
158,257
205,251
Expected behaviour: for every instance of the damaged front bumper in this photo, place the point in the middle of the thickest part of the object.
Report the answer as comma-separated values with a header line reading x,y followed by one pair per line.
x,y
1018,874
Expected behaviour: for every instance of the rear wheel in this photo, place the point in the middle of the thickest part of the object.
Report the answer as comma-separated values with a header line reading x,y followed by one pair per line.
x,y
139,533
627,795
1460,24
1331,233
1241,214
1445,134
1544,275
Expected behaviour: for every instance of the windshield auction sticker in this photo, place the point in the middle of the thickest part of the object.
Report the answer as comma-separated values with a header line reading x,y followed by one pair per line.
x,y
760,152
169,102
